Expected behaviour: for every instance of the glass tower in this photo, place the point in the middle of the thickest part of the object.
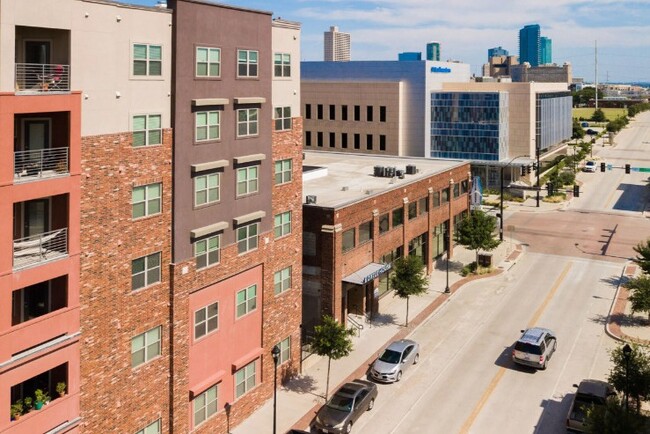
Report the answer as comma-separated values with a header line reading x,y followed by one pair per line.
x,y
433,51
530,45
546,45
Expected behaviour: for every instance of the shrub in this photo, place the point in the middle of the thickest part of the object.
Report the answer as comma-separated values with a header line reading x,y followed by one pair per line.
x,y
566,178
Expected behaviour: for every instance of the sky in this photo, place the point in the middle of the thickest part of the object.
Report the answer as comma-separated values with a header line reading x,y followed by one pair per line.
x,y
380,29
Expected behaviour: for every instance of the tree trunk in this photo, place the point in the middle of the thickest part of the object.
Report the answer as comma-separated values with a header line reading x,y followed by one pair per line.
x,y
476,261
327,383
407,311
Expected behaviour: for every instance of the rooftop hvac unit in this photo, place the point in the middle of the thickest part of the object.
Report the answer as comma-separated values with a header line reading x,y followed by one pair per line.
x,y
400,174
379,171
390,172
311,198
411,169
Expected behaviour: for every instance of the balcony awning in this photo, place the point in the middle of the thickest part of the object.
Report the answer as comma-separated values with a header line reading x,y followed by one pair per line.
x,y
367,273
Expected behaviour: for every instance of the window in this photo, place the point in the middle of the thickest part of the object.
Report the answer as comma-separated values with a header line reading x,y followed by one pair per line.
x,y
436,199
145,347
247,63
369,113
445,195
207,189
208,62
369,142
282,280
282,224
145,200
247,180
382,113
413,210
344,140
423,205
206,320
307,111
319,138
332,140
207,252
245,379
319,109
145,271
147,60
247,238
282,64
247,122
382,142
205,404
246,300
332,112
357,113
456,190
344,112
152,428
283,171
398,217
383,223
348,240
208,126
365,232
147,130
464,186
282,118
307,138
285,350
357,141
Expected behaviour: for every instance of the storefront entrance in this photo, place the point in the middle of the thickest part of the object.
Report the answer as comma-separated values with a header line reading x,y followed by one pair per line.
x,y
361,291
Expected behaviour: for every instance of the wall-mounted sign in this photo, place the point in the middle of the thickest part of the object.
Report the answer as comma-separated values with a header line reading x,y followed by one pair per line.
x,y
440,70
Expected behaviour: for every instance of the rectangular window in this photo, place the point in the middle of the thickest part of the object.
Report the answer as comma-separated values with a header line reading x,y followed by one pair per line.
x,y
282,118
382,113
365,232
245,379
147,130
319,109
207,251
398,217
208,62
332,140
369,113
382,142
247,180
348,240
282,64
147,60
357,112
247,238
413,210
282,224
436,199
282,280
247,63
285,350
207,126
464,186
246,300
145,347
445,195
283,171
423,205
383,223
357,141
207,189
307,111
152,428
344,140
205,405
247,122
332,112
456,190
319,138
344,112
307,138
369,142
146,200
206,320
145,271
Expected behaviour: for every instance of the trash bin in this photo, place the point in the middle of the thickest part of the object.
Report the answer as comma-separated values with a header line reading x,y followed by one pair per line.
x,y
485,260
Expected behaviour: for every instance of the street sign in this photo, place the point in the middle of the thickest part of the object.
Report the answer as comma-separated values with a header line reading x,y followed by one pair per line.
x,y
609,167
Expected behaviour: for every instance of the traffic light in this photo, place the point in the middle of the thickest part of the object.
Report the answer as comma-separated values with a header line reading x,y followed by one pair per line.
x,y
627,168
576,190
528,169
523,170
602,166
549,189
535,167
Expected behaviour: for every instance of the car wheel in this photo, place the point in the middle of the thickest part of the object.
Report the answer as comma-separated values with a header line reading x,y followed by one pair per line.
x,y
398,376
416,359
348,428
371,404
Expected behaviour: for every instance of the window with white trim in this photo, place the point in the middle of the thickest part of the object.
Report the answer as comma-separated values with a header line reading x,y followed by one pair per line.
x,y
282,224
152,428
285,350
205,405
147,60
247,63
206,320
207,189
147,130
247,238
247,180
207,126
246,300
283,171
145,271
245,379
208,62
282,118
207,251
146,200
282,280
145,347
247,122
282,65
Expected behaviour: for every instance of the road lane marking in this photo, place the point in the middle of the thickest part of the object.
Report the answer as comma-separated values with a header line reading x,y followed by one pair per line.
x,y
501,372
611,195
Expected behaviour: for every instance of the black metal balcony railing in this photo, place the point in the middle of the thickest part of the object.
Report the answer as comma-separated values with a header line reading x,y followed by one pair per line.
x,y
38,248
41,163
37,77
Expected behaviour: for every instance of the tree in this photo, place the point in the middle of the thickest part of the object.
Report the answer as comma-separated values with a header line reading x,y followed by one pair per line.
x,y
332,340
640,297
578,131
476,232
643,257
408,279
598,116
612,418
636,379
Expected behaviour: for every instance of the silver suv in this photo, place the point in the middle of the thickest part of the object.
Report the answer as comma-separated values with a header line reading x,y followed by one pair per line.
x,y
535,346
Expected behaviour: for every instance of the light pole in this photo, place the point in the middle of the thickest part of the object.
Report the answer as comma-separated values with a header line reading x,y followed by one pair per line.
x,y
227,407
627,352
539,169
450,230
501,196
275,352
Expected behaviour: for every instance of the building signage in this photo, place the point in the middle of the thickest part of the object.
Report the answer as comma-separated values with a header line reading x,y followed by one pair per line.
x,y
440,70
476,194
376,273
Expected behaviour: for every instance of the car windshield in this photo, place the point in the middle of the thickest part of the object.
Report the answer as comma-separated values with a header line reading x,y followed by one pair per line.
x,y
390,356
528,348
341,403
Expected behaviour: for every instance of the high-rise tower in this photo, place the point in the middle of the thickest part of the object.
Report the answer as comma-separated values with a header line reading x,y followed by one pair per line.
x,y
529,45
337,46
433,51
546,45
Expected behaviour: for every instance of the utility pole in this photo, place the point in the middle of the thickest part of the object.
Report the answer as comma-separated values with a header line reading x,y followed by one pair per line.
x,y
596,70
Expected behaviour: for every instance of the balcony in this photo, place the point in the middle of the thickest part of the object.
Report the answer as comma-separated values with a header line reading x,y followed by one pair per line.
x,y
37,78
41,163
43,247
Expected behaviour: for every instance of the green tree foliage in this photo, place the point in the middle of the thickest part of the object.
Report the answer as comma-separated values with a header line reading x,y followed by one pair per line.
x,y
408,279
331,340
613,419
476,232
578,131
566,178
635,109
637,379
617,124
598,116
584,96
643,255
640,297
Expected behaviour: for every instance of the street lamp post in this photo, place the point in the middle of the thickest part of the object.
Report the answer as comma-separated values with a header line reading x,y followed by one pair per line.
x,y
450,231
275,352
627,352
539,169
227,407
502,188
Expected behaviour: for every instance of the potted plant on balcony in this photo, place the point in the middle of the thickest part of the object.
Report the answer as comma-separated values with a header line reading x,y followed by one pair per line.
x,y
40,397
16,409
60,388
29,404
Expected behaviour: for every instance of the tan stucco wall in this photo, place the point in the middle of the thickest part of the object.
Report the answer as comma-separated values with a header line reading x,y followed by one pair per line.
x,y
286,91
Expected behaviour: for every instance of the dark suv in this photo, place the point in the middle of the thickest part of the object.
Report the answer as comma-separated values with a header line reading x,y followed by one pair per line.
x,y
535,346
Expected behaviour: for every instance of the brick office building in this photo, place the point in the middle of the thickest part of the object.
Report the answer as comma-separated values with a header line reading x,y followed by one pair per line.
x,y
357,223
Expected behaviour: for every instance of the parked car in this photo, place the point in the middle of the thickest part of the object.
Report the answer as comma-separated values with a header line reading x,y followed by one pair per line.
x,y
535,347
584,124
396,358
590,166
591,132
589,393
345,406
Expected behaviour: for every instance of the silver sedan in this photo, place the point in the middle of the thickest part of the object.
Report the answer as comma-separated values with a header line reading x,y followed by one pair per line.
x,y
396,358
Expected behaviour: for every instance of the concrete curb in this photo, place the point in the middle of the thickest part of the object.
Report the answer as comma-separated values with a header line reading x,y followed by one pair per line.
x,y
619,302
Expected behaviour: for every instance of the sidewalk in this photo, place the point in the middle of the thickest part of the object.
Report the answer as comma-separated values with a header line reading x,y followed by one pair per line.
x,y
622,324
299,400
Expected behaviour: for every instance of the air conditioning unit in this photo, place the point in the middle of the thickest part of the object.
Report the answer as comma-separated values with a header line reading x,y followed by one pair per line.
x,y
311,198
400,174
411,169
379,171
